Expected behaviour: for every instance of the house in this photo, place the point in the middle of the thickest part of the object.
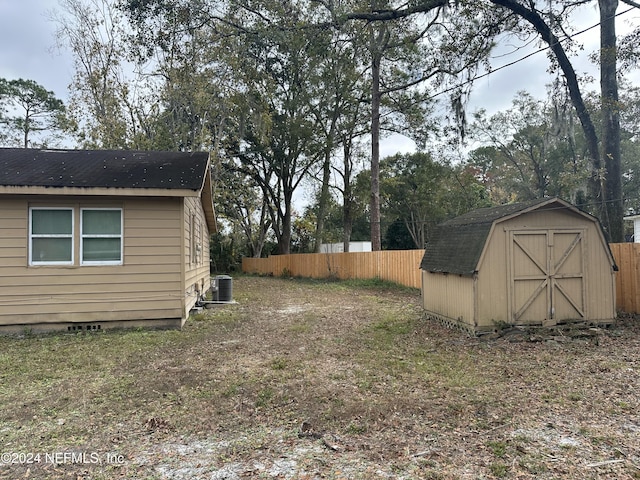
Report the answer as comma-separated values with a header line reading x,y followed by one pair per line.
x,y
93,239
542,262
636,227
339,247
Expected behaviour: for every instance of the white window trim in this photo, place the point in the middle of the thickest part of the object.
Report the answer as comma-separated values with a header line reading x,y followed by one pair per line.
x,y
34,262
120,236
192,238
200,243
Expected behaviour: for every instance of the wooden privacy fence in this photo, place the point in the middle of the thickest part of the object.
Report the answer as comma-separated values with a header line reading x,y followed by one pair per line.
x,y
627,257
403,267
399,266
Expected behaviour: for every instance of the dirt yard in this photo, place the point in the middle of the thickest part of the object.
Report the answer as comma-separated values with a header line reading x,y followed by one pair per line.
x,y
318,380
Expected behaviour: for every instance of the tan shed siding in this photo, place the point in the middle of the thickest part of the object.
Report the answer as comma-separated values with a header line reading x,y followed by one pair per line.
x,y
601,285
492,282
599,274
449,295
493,277
196,261
147,286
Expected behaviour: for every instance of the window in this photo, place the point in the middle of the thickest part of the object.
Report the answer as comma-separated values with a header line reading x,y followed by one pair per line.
x,y
198,242
195,227
192,243
50,236
101,236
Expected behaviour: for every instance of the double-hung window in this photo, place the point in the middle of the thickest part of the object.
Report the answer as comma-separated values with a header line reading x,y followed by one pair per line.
x,y
101,236
53,236
50,236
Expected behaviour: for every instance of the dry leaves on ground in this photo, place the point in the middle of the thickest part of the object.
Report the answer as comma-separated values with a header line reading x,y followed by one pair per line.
x,y
321,380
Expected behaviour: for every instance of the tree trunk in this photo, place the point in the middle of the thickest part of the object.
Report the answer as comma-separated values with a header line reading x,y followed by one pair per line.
x,y
284,242
547,35
262,232
613,210
376,239
347,198
324,200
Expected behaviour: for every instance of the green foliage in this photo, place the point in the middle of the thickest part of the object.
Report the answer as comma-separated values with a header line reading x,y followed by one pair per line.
x,y
630,147
279,363
102,102
27,108
418,193
281,92
398,237
499,470
278,71
303,231
224,254
334,224
242,210
499,449
531,151
534,149
265,397
286,273
629,51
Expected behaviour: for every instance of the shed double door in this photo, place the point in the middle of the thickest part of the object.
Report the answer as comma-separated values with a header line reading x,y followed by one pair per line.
x,y
547,276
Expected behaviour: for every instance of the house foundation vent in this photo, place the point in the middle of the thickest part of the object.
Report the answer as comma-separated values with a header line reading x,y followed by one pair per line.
x,y
79,328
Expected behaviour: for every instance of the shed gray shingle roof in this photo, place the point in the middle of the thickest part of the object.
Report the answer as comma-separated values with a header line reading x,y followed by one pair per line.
x,y
22,167
456,245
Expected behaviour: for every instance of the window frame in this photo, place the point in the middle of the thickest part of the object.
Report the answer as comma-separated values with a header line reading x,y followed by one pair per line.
x,y
32,261
192,239
82,236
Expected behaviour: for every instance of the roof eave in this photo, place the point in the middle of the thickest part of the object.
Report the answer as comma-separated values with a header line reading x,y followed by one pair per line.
x,y
447,272
539,205
98,191
206,196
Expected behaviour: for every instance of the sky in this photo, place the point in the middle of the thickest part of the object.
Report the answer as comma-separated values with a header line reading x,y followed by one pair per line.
x,y
28,39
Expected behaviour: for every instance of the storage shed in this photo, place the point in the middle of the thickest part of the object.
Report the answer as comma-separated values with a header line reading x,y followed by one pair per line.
x,y
542,262
96,239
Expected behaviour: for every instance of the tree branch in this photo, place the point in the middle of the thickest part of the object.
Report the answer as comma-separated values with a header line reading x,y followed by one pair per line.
x,y
631,3
385,15
547,35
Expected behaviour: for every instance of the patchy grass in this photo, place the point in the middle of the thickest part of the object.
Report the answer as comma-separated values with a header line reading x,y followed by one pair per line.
x,y
313,379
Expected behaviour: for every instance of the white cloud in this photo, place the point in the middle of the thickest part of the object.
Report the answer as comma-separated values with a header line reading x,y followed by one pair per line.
x,y
28,38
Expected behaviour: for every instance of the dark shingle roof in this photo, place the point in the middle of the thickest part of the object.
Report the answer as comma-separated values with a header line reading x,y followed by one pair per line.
x,y
456,245
22,167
